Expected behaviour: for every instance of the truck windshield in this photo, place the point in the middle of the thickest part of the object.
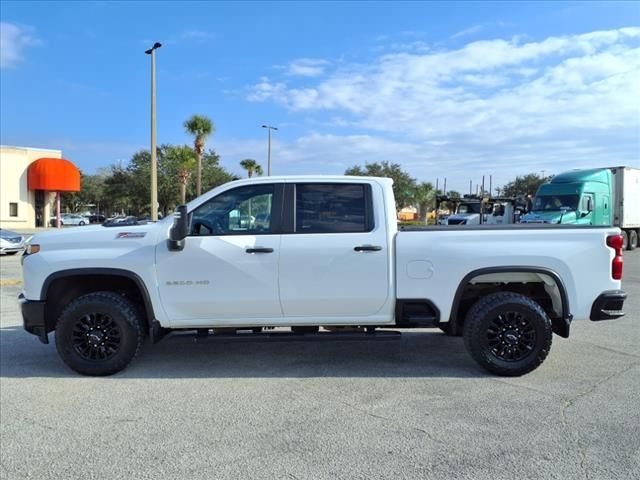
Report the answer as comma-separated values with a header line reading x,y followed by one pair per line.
x,y
555,202
468,208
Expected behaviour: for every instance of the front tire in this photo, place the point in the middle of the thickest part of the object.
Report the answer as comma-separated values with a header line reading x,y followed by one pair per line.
x,y
99,333
508,334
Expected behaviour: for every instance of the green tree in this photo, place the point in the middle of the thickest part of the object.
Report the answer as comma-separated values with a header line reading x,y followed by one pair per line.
x,y
117,188
180,160
251,166
523,185
423,196
213,174
126,188
200,127
404,185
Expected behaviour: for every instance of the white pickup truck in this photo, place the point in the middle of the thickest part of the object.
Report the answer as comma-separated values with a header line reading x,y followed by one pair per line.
x,y
310,253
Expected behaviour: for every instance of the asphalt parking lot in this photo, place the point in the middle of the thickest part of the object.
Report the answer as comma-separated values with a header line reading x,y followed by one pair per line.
x,y
417,408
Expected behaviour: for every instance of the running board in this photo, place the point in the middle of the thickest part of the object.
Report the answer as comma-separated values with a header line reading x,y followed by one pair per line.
x,y
386,335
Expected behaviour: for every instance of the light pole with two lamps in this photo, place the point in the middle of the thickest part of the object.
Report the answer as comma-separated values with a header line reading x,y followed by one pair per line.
x,y
269,128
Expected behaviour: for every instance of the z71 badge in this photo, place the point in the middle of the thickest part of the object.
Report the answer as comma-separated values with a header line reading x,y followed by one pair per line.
x,y
130,235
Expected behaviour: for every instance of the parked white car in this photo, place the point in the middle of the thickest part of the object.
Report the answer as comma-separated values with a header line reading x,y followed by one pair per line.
x,y
325,253
10,242
70,219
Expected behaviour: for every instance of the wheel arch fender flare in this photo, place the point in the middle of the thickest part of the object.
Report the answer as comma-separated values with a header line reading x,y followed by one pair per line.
x,y
104,272
560,327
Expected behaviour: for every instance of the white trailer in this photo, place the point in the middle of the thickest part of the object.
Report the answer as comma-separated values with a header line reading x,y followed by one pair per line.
x,y
626,194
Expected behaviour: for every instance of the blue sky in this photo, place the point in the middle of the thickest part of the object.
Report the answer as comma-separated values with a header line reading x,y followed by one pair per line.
x,y
456,90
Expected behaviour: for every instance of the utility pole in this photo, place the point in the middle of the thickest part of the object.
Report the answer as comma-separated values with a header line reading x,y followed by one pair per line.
x,y
269,128
154,159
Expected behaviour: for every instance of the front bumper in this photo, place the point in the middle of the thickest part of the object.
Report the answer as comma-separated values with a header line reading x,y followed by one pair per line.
x,y
608,305
33,317
11,249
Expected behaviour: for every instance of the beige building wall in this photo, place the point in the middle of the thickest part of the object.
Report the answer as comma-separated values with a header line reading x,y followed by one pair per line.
x,y
14,162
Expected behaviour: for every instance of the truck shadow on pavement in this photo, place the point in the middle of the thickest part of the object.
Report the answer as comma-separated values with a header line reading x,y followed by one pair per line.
x,y
416,354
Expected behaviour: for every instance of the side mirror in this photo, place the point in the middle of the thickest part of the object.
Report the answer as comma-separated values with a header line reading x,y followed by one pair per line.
x,y
180,228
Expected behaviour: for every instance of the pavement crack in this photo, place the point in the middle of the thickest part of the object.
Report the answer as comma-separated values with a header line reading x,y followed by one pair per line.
x,y
366,412
613,350
568,403
39,424
525,387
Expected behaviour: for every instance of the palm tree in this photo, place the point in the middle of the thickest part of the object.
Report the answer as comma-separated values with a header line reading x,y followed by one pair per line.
x,y
423,196
183,159
200,127
251,166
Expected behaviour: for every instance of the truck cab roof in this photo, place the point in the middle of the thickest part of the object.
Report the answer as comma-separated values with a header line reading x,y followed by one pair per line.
x,y
600,175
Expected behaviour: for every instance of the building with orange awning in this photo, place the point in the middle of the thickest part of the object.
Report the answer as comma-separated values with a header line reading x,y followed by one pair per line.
x,y
31,180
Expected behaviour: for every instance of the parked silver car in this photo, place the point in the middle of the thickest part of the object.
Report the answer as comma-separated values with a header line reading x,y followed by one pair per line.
x,y
10,242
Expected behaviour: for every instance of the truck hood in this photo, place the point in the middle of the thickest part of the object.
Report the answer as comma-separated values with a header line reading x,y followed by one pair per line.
x,y
553,216
97,236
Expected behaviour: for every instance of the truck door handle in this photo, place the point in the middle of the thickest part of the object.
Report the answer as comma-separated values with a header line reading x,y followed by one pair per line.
x,y
367,248
259,250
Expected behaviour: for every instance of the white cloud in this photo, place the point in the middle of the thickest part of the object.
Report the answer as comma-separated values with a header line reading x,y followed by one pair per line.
x,y
197,35
476,29
568,98
307,67
14,39
468,31
266,90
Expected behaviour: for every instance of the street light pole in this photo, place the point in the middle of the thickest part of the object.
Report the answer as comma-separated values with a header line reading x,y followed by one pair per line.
x,y
269,128
154,159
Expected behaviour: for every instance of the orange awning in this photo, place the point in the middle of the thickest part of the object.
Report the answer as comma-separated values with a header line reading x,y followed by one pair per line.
x,y
53,174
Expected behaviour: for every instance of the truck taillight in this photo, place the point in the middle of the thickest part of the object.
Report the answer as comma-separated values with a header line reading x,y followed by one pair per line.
x,y
616,242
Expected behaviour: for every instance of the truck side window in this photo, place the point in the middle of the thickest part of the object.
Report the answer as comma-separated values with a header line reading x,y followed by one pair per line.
x,y
333,208
587,203
241,211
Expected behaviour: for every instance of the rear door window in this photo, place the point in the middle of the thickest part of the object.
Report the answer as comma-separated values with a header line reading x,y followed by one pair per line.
x,y
333,208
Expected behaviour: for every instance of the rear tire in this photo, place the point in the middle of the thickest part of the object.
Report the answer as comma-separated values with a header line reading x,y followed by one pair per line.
x,y
625,240
99,333
633,240
508,334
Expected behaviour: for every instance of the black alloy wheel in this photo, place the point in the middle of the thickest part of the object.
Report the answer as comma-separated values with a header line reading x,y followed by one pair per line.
x,y
511,336
96,337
